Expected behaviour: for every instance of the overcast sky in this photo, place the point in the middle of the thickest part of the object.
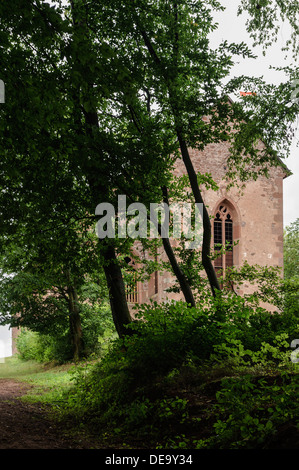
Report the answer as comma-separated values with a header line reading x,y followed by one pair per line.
x,y
232,28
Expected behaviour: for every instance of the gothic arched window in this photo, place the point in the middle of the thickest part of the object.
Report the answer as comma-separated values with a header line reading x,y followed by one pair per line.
x,y
223,238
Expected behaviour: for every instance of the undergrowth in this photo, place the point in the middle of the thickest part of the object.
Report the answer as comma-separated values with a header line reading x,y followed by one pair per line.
x,y
184,380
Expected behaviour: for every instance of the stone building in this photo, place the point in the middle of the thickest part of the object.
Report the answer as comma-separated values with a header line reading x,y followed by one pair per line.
x,y
253,217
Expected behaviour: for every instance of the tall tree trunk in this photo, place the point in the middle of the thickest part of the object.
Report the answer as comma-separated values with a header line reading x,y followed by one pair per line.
x,y
75,324
207,232
206,247
117,293
183,281
184,284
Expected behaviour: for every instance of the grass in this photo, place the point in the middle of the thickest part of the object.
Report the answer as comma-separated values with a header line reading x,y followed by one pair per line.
x,y
190,407
47,380
14,368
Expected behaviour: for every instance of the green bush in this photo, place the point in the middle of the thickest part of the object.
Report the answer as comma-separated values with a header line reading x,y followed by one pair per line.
x,y
42,348
166,334
119,392
249,409
228,334
97,330
28,345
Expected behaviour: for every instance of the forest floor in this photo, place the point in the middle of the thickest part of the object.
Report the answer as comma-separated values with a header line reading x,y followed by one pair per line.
x,y
27,426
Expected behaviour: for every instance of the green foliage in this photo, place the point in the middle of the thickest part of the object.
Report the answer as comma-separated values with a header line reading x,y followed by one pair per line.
x,y
128,388
263,22
249,409
43,348
167,333
108,91
97,331
28,346
33,301
291,251
38,296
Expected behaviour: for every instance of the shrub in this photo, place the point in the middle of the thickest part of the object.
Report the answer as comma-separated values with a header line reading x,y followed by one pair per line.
x,y
28,345
97,330
125,389
42,348
250,409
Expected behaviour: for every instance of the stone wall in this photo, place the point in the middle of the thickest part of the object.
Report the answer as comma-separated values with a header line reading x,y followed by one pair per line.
x,y
257,211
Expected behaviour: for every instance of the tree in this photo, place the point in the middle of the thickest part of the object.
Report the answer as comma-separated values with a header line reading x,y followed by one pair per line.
x,y
182,78
63,134
111,95
43,288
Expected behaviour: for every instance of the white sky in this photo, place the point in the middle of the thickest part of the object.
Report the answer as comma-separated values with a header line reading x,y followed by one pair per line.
x,y
232,28
5,342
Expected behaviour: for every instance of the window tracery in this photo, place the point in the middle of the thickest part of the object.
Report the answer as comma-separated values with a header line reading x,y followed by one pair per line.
x,y
223,239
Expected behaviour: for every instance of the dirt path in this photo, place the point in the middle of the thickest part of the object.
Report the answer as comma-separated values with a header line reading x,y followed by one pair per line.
x,y
26,426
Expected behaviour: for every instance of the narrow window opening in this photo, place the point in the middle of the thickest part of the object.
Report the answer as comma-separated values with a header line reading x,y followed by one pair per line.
x,y
132,289
132,285
223,238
